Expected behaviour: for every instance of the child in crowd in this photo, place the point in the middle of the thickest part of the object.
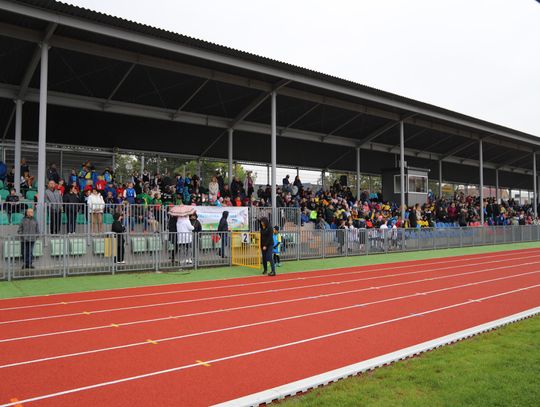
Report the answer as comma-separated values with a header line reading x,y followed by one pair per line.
x,y
277,246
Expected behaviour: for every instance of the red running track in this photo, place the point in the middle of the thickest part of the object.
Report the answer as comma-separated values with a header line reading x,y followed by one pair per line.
x,y
209,342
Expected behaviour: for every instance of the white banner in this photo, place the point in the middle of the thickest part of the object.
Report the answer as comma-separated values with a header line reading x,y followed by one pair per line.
x,y
209,217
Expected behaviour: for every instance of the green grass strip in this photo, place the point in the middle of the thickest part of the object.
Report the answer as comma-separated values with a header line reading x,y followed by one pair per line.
x,y
499,368
44,286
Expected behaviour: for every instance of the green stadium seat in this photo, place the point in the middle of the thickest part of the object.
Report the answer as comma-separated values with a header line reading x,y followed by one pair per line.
x,y
4,218
57,247
12,249
99,246
30,194
38,249
77,247
107,219
154,244
3,194
138,245
81,219
16,218
64,218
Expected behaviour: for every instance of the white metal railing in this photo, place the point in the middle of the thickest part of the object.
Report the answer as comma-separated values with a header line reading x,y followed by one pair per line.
x,y
48,255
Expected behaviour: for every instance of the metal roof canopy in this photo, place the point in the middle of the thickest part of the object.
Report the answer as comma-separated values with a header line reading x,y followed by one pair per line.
x,y
115,83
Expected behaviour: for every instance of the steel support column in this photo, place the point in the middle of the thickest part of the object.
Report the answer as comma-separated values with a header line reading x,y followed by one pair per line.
x,y
440,179
42,133
230,155
273,150
497,192
402,168
481,155
142,164
18,143
535,199
357,173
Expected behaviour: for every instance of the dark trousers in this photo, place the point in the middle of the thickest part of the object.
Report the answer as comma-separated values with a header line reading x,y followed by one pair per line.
x,y
223,244
173,238
120,248
267,257
28,249
71,214
56,221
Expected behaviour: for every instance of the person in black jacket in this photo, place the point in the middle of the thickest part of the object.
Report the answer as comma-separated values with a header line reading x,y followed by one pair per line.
x,y
119,229
71,207
223,227
267,243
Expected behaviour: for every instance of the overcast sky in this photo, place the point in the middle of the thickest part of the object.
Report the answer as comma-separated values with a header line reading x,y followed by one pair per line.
x,y
478,57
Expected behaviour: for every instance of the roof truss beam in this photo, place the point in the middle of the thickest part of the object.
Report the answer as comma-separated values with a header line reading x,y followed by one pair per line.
x,y
255,103
158,63
96,104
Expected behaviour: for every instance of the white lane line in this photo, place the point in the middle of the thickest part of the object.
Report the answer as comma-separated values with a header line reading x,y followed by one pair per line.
x,y
379,269
263,304
220,297
301,386
266,322
260,350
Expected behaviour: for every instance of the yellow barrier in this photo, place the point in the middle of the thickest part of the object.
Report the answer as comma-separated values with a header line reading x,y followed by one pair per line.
x,y
246,249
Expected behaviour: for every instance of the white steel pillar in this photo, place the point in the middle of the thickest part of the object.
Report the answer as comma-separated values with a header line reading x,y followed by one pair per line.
x,y
61,163
158,164
535,199
481,154
357,173
199,169
42,134
142,164
323,173
440,179
273,150
230,154
18,144
497,192
402,167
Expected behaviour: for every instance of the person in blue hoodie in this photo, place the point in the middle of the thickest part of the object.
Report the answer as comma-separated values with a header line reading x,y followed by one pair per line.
x,y
277,246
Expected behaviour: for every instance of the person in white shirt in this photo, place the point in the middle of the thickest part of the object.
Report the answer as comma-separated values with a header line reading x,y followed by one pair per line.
x,y
96,205
213,190
184,230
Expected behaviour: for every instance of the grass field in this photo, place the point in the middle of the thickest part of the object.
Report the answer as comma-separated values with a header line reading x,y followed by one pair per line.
x,y
500,368
46,286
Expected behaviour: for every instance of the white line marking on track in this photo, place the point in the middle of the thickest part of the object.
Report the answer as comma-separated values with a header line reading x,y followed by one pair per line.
x,y
257,351
379,269
161,304
272,321
252,305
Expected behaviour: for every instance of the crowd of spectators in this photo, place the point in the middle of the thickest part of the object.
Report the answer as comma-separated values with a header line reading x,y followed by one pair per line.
x,y
332,207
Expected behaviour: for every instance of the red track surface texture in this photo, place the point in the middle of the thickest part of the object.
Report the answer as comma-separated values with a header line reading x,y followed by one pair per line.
x,y
204,343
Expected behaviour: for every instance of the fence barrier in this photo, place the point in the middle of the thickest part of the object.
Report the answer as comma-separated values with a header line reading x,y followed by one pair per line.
x,y
246,249
108,253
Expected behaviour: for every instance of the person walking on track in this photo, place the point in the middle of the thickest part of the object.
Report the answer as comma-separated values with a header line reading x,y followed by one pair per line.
x,y
267,244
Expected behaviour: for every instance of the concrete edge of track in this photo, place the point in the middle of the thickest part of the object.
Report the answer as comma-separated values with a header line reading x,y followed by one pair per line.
x,y
304,385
